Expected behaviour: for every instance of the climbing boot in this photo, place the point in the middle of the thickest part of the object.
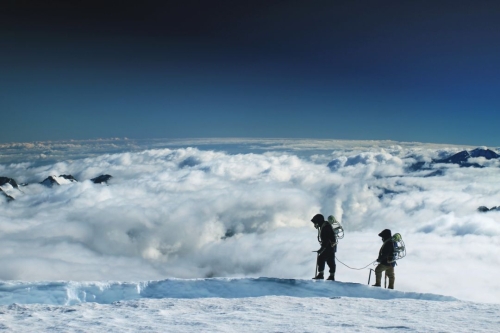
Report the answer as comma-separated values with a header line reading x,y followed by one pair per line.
x,y
320,276
376,285
331,277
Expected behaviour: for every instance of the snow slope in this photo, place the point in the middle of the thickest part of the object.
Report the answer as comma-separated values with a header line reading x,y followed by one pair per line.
x,y
69,293
234,305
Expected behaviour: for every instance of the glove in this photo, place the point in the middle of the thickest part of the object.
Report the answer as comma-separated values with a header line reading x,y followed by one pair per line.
x,y
378,260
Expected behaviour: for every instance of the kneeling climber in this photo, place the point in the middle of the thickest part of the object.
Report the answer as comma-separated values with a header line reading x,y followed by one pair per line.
x,y
328,242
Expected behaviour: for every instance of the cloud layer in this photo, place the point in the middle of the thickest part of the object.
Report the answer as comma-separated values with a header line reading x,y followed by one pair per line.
x,y
188,213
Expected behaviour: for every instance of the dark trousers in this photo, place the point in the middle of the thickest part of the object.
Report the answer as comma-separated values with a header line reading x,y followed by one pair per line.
x,y
327,256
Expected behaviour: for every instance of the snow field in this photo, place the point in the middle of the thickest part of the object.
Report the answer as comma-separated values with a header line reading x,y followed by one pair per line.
x,y
255,314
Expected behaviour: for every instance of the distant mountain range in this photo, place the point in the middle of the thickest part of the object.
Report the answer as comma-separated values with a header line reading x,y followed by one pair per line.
x,y
484,209
460,158
9,187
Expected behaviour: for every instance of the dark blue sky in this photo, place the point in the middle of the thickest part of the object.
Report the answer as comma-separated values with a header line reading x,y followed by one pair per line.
x,y
423,71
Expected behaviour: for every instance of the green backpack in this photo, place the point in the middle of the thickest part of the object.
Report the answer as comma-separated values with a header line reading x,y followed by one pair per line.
x,y
399,247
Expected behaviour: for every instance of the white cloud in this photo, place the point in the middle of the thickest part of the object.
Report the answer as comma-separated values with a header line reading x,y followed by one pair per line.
x,y
185,212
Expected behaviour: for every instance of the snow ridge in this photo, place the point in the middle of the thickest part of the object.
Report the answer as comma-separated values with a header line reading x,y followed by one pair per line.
x,y
70,293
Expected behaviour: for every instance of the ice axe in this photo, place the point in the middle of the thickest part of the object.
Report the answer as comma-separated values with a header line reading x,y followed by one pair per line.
x,y
370,275
317,255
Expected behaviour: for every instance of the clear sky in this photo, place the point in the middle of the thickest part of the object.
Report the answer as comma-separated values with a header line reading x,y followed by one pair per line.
x,y
425,71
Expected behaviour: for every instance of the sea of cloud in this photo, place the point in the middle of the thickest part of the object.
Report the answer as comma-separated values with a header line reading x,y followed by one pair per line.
x,y
192,212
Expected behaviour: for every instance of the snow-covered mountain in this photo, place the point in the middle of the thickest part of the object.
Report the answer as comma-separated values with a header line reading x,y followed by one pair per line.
x,y
234,305
462,158
10,181
9,188
58,180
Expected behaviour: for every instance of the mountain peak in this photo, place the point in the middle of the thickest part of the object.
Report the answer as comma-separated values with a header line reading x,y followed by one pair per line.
x,y
7,180
484,152
101,179
58,180
461,158
8,187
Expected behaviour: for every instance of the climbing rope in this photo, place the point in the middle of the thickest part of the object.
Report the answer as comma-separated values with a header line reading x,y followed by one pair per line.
x,y
358,269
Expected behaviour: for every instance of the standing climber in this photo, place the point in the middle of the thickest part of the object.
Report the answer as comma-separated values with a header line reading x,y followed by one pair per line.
x,y
328,242
385,260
